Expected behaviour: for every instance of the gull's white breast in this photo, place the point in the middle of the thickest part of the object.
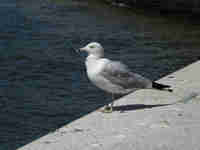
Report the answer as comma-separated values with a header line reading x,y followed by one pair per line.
x,y
94,69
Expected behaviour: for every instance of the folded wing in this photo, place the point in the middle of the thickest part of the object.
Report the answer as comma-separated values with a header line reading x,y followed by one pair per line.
x,y
119,74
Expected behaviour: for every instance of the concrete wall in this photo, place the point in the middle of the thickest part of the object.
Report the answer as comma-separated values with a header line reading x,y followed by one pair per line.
x,y
143,120
165,5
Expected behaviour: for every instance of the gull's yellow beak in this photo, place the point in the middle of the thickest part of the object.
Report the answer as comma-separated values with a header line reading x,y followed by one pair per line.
x,y
82,49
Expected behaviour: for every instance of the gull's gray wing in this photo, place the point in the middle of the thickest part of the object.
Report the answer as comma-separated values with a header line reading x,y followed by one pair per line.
x,y
119,74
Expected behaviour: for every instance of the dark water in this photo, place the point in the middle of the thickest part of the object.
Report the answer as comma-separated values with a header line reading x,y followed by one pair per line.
x,y
42,81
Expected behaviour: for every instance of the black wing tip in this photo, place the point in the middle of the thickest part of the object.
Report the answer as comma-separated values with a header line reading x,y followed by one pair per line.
x,y
161,86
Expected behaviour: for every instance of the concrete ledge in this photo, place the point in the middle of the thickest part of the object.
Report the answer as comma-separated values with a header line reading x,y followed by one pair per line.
x,y
144,120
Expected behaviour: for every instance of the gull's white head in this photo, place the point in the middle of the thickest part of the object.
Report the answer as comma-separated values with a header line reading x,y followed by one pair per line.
x,y
94,49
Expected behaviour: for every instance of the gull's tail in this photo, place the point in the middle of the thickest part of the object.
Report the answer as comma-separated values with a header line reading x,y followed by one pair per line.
x,y
159,86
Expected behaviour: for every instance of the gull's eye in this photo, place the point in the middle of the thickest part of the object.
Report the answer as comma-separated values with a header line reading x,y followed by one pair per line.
x,y
92,46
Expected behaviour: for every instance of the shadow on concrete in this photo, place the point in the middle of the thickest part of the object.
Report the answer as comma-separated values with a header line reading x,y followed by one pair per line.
x,y
133,107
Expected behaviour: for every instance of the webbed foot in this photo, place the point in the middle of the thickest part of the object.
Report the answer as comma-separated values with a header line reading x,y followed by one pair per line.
x,y
107,109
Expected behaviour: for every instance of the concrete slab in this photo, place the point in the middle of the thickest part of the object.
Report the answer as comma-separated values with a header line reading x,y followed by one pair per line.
x,y
146,119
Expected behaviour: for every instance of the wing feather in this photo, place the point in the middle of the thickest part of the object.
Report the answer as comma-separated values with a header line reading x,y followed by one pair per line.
x,y
119,74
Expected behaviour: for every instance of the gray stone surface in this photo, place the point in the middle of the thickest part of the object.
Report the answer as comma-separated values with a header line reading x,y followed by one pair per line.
x,y
146,119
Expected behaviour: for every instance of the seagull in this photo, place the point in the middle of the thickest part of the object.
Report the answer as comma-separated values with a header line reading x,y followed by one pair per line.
x,y
113,76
